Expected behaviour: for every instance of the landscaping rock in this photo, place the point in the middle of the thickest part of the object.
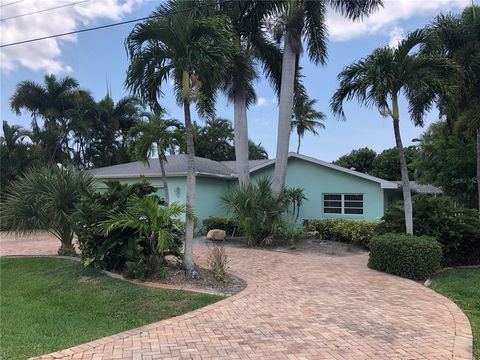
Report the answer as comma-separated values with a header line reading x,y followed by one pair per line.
x,y
216,235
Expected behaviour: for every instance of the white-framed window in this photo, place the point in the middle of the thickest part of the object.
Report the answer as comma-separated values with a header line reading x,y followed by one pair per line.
x,y
343,204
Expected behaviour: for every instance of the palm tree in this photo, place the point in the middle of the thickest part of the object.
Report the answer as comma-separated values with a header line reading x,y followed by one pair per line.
x,y
457,37
256,151
46,199
181,43
421,78
304,118
50,101
307,19
154,134
12,134
246,18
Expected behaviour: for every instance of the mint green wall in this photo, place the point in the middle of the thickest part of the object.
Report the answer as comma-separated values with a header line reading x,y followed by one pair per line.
x,y
316,180
208,194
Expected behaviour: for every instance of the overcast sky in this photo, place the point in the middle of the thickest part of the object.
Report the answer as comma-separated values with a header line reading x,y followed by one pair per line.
x,y
97,58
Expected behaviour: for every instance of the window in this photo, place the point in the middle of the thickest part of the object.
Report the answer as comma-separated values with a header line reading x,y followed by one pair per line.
x,y
345,204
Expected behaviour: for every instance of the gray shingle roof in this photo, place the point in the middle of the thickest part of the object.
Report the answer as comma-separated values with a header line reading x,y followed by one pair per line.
x,y
422,189
251,164
176,165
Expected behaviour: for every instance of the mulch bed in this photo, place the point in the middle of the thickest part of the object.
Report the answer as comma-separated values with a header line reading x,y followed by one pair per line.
x,y
204,281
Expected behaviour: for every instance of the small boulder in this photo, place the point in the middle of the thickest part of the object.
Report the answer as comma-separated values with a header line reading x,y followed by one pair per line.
x,y
216,235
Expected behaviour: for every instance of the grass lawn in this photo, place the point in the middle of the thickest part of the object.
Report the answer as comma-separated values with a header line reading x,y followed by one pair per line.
x,y
50,304
463,287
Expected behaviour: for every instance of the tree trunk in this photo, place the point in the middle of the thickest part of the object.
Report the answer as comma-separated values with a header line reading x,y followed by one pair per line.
x,y
478,166
241,137
407,196
189,224
164,179
299,142
284,115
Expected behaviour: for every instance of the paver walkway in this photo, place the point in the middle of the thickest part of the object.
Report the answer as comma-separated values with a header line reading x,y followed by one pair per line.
x,y
301,307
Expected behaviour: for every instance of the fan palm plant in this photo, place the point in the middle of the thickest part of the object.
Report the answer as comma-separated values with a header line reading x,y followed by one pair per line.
x,y
181,43
379,80
154,134
145,215
45,199
305,118
296,20
457,37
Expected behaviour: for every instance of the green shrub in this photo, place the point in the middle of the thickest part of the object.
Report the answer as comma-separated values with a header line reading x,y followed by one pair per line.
x,y
457,229
227,224
413,257
259,212
112,251
350,231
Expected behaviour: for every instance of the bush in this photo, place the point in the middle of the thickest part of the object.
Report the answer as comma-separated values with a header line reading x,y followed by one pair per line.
x,y
350,231
259,212
413,257
112,251
457,229
227,224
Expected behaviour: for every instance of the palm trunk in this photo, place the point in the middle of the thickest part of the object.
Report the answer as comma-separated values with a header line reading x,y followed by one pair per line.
x,y
299,142
478,166
189,224
241,137
285,115
164,179
407,196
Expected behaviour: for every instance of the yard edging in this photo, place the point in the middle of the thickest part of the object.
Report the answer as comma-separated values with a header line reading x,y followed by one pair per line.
x,y
150,284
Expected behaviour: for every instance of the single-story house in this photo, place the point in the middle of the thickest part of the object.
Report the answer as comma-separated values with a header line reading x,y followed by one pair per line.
x,y
333,192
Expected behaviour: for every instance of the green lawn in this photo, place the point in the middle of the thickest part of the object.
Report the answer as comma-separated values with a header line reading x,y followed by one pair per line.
x,y
50,304
463,287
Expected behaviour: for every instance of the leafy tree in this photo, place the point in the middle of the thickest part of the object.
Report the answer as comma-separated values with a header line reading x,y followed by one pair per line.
x,y
421,78
256,151
296,20
457,37
360,160
304,118
386,165
153,135
180,42
51,102
215,140
16,156
446,159
45,199
110,130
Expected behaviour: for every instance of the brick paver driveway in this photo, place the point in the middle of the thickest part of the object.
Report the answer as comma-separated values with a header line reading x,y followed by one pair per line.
x,y
301,307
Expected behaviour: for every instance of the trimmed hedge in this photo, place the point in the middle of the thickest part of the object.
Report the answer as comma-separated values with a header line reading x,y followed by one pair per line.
x,y
412,257
227,224
357,232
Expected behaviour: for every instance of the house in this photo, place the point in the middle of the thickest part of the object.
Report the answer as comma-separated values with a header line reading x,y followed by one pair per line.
x,y
333,191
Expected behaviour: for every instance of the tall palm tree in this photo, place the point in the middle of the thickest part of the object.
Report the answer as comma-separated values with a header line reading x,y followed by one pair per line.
x,y
246,18
51,101
304,19
457,37
181,43
154,134
305,118
422,79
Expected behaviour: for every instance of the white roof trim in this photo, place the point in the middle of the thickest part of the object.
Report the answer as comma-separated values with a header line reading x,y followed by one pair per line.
x,y
384,184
